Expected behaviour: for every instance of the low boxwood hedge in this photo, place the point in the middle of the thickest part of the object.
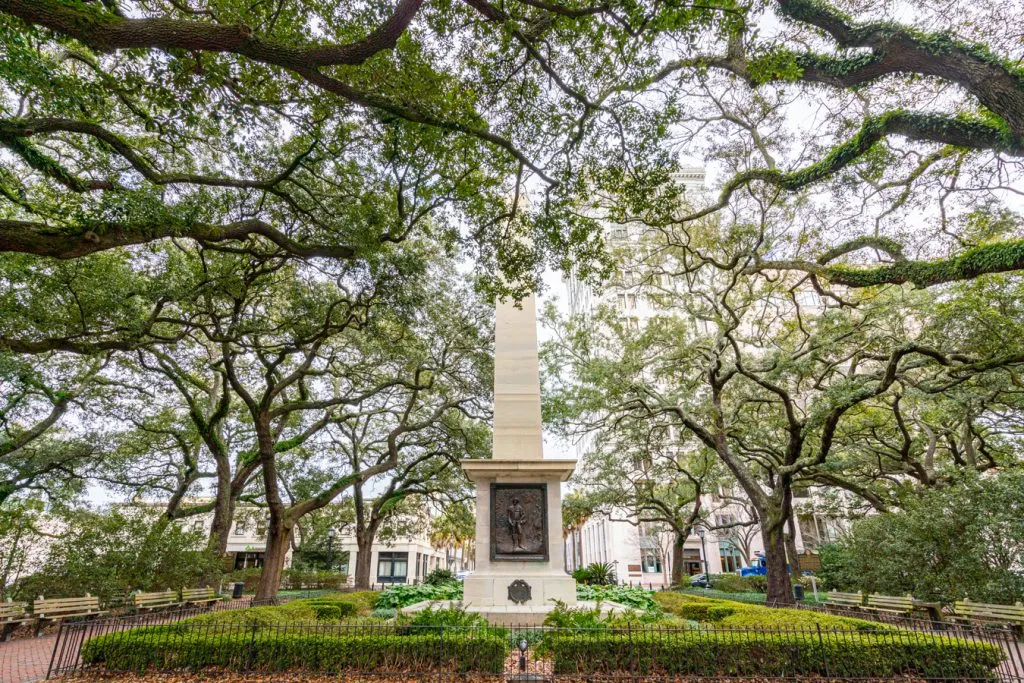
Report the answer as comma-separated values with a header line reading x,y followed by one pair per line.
x,y
327,610
730,614
771,654
234,647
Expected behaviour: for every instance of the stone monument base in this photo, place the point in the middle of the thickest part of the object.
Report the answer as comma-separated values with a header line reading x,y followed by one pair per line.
x,y
491,588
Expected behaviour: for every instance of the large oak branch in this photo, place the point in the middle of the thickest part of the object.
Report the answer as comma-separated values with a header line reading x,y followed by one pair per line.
x,y
71,242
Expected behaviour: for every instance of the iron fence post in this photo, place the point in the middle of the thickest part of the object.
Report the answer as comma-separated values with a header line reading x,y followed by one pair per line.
x,y
53,655
252,646
821,646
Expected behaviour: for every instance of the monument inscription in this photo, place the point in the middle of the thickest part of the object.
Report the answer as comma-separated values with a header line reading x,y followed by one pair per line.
x,y
519,522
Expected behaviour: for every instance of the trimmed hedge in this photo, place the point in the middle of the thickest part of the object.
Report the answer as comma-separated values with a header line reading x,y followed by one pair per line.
x,y
179,646
333,611
290,613
729,614
779,653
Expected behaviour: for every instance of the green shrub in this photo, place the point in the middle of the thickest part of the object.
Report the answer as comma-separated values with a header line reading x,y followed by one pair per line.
x,y
716,653
333,611
364,601
234,647
439,576
734,583
290,613
250,577
455,616
730,614
595,574
758,583
384,613
563,616
707,613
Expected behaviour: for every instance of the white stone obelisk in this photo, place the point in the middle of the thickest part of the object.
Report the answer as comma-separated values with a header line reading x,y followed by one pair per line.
x,y
518,460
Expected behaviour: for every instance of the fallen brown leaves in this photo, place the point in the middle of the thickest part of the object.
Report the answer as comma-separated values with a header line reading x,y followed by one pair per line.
x,y
307,677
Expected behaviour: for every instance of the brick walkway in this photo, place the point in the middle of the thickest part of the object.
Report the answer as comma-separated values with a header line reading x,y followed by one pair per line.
x,y
25,660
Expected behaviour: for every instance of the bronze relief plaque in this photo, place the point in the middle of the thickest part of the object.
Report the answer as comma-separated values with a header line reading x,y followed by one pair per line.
x,y
519,522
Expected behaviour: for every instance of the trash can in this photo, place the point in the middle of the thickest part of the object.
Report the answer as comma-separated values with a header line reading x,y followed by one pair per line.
x,y
798,592
237,588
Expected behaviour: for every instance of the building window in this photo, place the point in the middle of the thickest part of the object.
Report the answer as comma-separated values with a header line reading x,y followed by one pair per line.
x,y
239,528
392,567
730,557
261,531
651,562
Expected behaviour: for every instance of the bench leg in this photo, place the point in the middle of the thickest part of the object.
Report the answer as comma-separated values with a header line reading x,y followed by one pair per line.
x,y
7,631
39,628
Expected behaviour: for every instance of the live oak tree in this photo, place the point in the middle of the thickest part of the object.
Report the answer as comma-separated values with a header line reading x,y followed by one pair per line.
x,y
767,374
308,353
39,454
325,132
635,470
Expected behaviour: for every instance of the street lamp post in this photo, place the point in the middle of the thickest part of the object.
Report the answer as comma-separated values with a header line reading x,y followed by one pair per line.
x,y
702,533
330,548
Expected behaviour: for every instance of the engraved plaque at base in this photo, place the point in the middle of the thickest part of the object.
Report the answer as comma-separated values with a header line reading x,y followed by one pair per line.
x,y
519,522
519,592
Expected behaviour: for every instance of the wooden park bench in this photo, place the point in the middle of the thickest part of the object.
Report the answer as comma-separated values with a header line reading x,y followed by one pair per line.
x,y
847,600
902,605
198,596
58,609
965,610
147,602
12,615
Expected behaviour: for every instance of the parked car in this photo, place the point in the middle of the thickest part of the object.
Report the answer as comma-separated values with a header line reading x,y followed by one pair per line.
x,y
462,574
699,581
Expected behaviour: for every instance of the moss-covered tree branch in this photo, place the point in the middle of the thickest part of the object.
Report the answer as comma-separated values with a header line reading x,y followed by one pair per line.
x,y
1000,257
72,241
958,131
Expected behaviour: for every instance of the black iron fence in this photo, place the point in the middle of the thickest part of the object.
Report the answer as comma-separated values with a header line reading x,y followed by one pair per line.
x,y
173,642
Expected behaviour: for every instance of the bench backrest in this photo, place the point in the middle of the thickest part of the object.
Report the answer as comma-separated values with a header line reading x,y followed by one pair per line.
x,y
903,602
11,610
984,610
158,598
846,598
196,593
60,606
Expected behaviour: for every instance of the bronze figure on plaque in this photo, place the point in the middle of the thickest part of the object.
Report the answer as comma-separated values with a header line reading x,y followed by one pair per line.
x,y
516,520
519,522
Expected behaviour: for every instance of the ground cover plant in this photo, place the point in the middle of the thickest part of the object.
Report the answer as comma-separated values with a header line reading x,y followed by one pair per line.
x,y
403,595
629,596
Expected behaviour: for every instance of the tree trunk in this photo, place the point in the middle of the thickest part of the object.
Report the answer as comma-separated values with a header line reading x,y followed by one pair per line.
x,y
794,558
279,533
677,559
780,591
364,542
223,513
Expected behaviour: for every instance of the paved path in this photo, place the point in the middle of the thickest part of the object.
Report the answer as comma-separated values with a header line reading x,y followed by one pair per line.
x,y
25,660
